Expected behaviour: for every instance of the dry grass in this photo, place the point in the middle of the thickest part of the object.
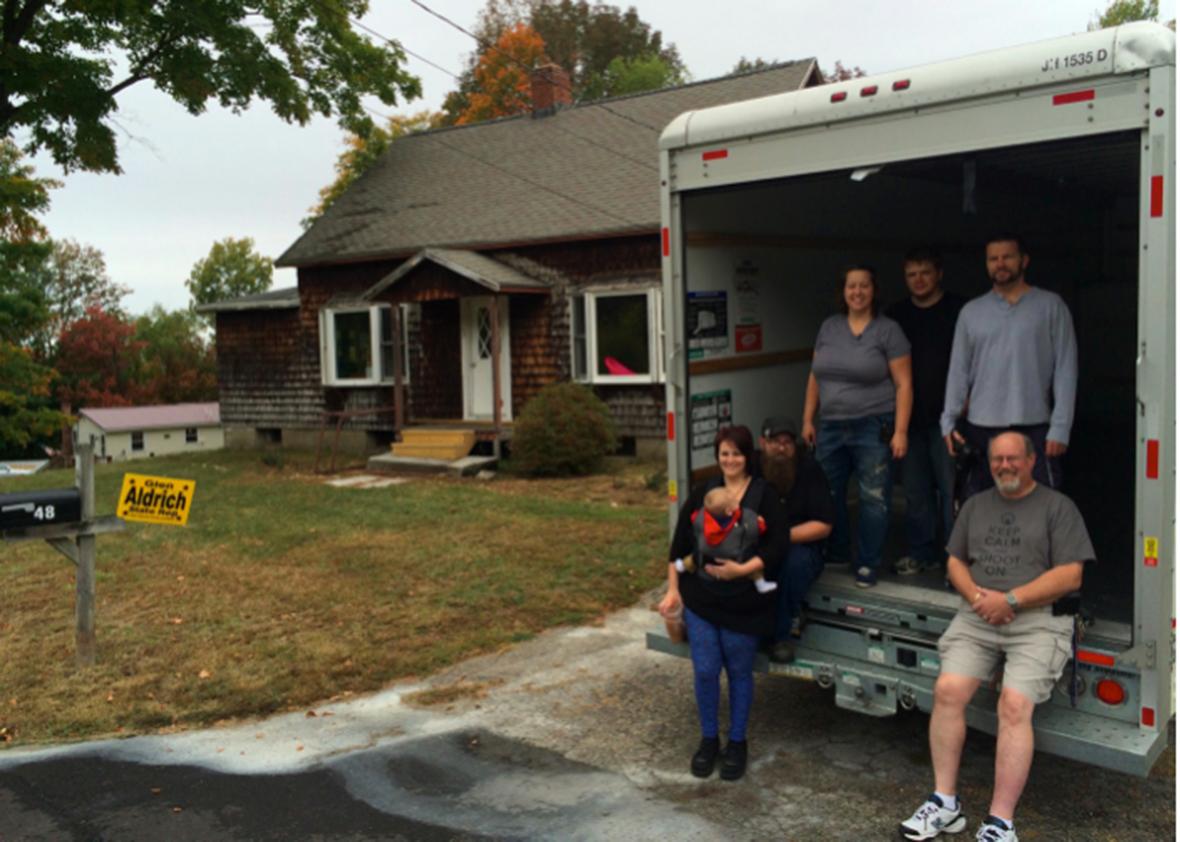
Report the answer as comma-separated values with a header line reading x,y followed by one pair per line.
x,y
283,591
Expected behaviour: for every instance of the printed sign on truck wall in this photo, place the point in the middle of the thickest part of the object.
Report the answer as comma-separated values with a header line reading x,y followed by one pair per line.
x,y
710,412
708,323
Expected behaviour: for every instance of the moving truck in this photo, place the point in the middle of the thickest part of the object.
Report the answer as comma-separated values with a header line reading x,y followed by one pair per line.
x,y
1070,143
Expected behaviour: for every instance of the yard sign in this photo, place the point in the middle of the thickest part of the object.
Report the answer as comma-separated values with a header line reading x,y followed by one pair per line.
x,y
155,499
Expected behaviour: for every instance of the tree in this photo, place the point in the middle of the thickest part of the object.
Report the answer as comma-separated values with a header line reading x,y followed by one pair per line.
x,y
745,65
1126,11
502,82
99,361
231,269
76,280
178,364
360,153
64,62
25,414
840,73
584,39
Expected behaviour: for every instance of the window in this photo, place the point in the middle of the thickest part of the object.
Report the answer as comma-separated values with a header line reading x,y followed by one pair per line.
x,y
136,441
190,435
616,337
357,345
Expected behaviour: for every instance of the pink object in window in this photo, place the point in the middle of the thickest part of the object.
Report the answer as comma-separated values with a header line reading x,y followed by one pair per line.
x,y
613,366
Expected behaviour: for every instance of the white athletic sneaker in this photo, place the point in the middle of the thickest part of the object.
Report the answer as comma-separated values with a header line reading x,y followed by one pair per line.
x,y
993,831
932,819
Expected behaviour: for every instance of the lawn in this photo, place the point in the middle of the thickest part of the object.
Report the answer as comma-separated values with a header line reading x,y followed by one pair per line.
x,y
283,591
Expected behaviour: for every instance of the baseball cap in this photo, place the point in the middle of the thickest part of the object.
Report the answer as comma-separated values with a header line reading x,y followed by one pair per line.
x,y
777,425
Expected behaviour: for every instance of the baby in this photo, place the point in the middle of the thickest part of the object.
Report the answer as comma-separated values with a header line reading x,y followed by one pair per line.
x,y
725,530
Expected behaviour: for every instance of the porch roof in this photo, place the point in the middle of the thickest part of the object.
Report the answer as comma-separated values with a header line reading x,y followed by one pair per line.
x,y
477,268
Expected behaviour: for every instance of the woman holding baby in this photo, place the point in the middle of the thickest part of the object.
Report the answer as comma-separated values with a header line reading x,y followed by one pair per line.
x,y
725,613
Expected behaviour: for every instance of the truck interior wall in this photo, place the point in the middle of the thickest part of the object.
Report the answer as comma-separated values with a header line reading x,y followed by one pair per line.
x,y
1075,202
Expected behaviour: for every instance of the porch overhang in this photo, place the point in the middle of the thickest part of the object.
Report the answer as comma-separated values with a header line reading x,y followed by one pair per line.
x,y
485,273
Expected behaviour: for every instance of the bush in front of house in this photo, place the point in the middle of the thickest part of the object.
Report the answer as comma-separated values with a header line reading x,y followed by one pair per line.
x,y
564,430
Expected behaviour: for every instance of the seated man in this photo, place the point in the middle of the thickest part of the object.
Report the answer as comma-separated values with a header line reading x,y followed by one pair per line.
x,y
1015,549
807,507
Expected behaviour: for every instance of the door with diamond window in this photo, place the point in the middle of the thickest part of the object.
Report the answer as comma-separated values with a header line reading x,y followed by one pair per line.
x,y
476,329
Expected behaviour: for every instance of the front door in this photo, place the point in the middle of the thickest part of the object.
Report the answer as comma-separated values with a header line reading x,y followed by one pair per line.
x,y
476,336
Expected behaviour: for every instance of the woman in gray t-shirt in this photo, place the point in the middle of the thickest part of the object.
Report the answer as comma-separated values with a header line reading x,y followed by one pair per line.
x,y
861,393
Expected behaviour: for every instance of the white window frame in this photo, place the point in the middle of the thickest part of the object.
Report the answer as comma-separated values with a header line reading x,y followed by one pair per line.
x,y
142,441
196,435
380,377
655,338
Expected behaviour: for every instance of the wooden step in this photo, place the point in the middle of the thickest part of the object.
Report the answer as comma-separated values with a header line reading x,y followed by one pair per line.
x,y
438,435
447,453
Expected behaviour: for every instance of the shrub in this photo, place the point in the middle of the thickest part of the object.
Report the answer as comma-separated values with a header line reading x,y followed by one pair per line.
x,y
565,429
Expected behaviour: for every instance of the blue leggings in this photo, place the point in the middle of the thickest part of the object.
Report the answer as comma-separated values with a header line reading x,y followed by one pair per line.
x,y
712,648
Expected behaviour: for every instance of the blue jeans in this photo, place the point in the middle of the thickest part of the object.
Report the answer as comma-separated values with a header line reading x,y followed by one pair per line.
x,y
712,648
858,445
928,475
801,567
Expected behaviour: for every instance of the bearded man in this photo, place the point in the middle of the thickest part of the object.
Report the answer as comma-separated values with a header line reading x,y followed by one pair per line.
x,y
807,509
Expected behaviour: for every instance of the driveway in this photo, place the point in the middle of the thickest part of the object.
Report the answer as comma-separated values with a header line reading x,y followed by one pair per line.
x,y
578,734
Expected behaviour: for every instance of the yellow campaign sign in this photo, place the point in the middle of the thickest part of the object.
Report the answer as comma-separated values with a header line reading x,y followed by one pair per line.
x,y
155,499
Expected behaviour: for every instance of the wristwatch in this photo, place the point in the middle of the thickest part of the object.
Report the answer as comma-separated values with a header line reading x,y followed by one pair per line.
x,y
1010,598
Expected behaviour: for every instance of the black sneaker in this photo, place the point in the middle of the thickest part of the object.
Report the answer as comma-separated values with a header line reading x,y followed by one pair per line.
x,y
706,757
733,760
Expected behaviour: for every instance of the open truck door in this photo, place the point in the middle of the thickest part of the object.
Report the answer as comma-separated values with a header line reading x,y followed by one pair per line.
x,y
1072,143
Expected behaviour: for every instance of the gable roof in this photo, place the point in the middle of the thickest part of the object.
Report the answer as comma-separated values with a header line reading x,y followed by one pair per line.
x,y
274,299
477,268
115,419
590,170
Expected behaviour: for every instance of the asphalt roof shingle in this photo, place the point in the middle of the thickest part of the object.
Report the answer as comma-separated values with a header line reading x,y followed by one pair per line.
x,y
591,169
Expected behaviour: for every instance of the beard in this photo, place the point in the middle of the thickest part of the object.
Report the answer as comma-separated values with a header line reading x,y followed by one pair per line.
x,y
780,471
1008,483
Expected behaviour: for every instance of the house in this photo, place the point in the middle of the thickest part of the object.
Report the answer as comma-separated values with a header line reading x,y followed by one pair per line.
x,y
119,433
468,268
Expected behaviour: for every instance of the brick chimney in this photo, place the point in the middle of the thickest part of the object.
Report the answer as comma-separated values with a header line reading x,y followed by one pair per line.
x,y
551,89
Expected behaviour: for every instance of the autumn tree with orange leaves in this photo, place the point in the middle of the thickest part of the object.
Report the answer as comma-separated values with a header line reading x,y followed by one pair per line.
x,y
502,80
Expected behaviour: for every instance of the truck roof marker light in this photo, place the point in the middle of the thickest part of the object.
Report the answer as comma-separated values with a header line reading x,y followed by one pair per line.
x,y
868,90
1097,658
1110,692
1147,716
839,96
901,85
1074,96
714,154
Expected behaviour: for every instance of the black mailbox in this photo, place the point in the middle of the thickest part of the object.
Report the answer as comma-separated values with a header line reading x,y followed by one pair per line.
x,y
40,508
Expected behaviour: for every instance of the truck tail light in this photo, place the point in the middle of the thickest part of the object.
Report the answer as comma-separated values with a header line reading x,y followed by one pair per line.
x,y
1110,691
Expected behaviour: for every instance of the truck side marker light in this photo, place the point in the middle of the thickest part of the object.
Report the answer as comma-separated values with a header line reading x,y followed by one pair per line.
x,y
870,90
714,154
671,426
666,239
839,96
1153,459
1147,717
1110,692
901,85
1074,96
1087,657
1157,195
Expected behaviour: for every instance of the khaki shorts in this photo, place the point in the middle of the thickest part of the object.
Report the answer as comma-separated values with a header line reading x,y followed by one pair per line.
x,y
1034,649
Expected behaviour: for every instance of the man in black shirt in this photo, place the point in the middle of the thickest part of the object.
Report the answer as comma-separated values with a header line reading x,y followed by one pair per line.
x,y
928,319
807,510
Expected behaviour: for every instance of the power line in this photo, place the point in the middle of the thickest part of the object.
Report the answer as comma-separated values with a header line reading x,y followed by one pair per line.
x,y
359,25
567,86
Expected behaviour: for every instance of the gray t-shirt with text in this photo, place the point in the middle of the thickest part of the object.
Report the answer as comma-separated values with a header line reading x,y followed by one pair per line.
x,y
853,371
1008,543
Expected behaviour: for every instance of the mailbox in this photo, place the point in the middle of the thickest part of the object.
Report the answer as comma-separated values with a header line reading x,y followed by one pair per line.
x,y
40,508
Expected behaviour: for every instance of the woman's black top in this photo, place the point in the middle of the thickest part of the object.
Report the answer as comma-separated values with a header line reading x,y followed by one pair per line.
x,y
735,605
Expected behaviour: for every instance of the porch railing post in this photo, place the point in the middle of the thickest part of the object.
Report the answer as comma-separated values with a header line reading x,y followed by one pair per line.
x,y
399,399
497,409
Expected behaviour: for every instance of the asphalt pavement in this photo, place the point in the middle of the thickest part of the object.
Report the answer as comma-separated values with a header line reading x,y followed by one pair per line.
x,y
579,734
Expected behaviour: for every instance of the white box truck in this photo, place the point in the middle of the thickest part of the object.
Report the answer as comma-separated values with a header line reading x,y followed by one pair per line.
x,y
1069,142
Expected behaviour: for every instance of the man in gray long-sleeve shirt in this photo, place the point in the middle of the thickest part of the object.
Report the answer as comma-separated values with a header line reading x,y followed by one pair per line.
x,y
1014,366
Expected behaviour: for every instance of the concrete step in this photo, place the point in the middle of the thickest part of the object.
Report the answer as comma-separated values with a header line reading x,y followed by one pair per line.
x,y
464,466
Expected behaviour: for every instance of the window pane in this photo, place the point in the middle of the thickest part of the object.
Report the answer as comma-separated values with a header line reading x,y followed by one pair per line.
x,y
137,441
353,345
620,323
190,434
386,343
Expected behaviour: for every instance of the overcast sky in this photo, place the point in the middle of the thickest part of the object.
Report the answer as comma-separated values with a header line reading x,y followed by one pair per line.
x,y
189,181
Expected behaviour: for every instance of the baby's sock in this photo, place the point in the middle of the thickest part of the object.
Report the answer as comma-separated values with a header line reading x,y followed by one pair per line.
x,y
764,586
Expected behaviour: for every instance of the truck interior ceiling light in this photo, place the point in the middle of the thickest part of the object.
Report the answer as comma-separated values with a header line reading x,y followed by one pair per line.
x,y
1110,691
